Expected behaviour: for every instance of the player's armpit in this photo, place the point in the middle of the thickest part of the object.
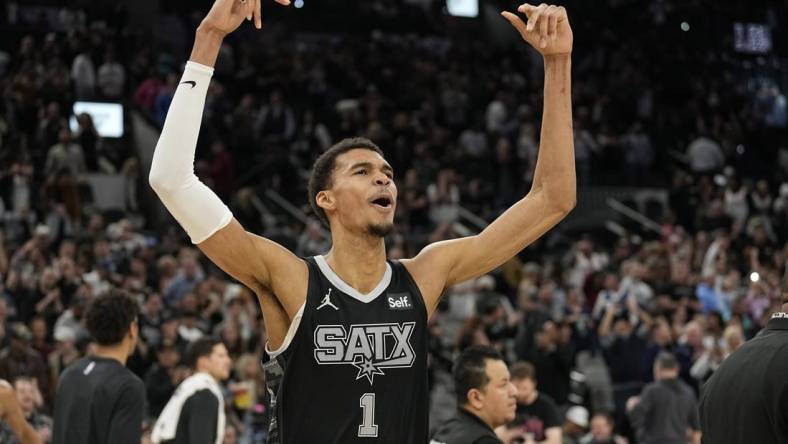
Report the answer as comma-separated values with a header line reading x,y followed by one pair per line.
x,y
443,264
259,263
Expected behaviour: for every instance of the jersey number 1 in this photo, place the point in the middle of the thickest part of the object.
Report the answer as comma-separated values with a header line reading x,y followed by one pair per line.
x,y
368,428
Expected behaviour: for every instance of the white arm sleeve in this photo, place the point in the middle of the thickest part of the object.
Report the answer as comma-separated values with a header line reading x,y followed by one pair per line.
x,y
198,209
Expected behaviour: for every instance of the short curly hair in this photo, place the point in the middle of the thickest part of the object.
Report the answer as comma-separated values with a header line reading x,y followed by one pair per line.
x,y
324,166
110,315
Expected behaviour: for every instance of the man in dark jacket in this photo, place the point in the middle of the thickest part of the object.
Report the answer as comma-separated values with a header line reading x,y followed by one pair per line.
x,y
667,408
746,399
485,397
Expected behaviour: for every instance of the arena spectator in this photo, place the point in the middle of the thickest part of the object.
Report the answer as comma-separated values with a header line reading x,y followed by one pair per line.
x,y
13,427
667,410
111,77
575,424
537,414
18,358
602,431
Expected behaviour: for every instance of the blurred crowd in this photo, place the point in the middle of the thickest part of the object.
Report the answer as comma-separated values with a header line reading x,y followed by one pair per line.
x,y
458,119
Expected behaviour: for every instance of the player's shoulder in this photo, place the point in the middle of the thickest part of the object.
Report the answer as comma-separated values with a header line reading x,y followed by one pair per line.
x,y
125,384
75,368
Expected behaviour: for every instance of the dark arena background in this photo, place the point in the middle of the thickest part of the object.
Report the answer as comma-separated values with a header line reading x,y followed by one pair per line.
x,y
678,242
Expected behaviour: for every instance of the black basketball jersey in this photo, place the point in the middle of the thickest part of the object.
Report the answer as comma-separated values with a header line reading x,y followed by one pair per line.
x,y
353,367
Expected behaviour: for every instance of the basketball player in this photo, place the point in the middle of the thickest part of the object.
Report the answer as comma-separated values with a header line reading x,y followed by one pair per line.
x,y
348,330
98,399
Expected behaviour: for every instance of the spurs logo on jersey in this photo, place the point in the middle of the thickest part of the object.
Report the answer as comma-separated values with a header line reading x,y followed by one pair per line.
x,y
368,347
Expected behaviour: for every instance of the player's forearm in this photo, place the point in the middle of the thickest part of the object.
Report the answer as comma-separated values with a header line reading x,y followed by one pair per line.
x,y
207,43
555,167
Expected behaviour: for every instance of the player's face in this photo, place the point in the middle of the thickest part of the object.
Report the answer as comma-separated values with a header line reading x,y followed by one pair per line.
x,y
500,394
219,366
363,196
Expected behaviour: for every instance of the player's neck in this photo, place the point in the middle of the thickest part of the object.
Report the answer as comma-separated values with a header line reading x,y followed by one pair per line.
x,y
116,352
479,414
360,261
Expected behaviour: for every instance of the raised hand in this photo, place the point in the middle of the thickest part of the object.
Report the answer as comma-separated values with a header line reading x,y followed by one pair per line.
x,y
226,16
547,28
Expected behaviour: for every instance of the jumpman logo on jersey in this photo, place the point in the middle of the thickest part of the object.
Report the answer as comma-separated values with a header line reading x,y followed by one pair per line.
x,y
327,301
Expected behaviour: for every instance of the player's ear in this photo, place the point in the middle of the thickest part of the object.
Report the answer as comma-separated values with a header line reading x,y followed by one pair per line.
x,y
326,200
475,398
134,330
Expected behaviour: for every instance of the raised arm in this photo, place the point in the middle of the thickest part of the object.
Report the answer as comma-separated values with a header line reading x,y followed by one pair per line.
x,y
259,263
552,195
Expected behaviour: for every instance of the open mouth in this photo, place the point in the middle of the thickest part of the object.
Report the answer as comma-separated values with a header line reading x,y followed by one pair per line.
x,y
383,202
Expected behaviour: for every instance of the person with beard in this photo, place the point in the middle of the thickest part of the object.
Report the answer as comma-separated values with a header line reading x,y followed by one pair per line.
x,y
348,329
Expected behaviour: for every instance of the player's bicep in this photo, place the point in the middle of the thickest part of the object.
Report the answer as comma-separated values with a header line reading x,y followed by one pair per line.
x,y
446,263
432,267
259,263
232,250
506,236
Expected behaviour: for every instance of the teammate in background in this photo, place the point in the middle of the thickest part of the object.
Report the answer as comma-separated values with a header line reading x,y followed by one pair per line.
x,y
485,399
354,370
98,399
195,413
